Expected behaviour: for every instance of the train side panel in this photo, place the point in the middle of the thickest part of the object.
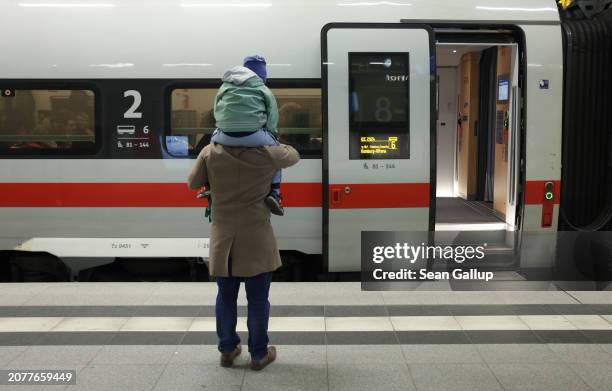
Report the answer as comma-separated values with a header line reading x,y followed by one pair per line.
x,y
43,203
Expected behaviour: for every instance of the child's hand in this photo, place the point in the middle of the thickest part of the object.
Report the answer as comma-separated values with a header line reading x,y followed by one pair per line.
x,y
203,193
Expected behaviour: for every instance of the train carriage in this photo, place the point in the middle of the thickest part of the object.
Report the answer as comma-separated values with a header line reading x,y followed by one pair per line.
x,y
106,103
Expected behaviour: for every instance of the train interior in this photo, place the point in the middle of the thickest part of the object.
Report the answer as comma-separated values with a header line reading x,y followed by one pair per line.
x,y
474,110
473,185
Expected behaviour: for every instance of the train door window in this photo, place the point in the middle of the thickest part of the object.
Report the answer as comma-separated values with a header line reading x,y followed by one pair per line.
x,y
47,121
300,123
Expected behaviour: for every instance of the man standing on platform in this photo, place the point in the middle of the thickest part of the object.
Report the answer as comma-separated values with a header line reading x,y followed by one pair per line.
x,y
242,242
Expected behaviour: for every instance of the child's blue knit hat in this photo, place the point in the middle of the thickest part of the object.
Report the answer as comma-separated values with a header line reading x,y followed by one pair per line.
x,y
258,65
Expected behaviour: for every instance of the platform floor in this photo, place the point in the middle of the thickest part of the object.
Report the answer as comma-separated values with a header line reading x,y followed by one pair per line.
x,y
330,336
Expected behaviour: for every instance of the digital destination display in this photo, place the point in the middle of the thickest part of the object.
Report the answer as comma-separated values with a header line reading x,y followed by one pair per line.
x,y
379,91
379,145
502,89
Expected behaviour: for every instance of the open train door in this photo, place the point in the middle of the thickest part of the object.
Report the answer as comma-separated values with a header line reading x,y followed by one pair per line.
x,y
379,132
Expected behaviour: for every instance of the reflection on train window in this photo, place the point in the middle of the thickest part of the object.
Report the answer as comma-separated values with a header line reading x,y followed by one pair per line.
x,y
45,120
300,118
192,115
299,124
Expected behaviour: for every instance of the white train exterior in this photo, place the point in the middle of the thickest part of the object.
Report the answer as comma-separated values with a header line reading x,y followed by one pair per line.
x,y
109,204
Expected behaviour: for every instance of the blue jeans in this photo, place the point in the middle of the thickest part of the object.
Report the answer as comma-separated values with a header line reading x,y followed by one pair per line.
x,y
226,311
259,138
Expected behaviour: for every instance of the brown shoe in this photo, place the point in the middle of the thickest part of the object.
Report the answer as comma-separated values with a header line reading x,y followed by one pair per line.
x,y
227,359
258,365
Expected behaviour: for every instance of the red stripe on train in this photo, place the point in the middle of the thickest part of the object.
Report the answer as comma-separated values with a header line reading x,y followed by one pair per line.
x,y
131,195
534,192
387,195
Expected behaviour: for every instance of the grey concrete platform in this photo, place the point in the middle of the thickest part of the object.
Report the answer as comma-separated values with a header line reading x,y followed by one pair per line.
x,y
330,336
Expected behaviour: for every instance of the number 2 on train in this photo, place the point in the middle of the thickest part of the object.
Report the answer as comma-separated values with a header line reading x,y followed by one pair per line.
x,y
131,112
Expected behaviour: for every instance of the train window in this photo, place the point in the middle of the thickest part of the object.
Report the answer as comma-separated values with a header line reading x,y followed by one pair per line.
x,y
191,117
379,106
300,119
46,120
300,122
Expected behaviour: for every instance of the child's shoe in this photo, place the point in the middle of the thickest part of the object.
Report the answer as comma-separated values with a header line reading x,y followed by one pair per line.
x,y
273,201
